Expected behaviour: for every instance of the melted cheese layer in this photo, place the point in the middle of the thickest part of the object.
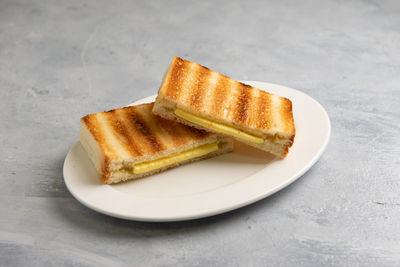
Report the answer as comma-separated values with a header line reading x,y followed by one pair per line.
x,y
219,127
179,157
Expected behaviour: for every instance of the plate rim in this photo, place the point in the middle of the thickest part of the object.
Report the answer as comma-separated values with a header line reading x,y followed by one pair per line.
x,y
227,208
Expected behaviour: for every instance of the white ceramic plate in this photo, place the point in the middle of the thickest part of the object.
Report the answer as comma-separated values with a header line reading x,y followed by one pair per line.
x,y
210,186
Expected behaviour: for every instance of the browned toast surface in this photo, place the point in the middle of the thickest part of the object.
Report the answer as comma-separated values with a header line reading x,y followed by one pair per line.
x,y
135,131
206,92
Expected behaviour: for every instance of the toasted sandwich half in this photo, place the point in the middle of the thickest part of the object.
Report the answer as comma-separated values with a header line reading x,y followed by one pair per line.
x,y
197,96
131,142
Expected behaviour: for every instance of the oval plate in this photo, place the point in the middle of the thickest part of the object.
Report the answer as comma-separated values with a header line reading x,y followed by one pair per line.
x,y
207,187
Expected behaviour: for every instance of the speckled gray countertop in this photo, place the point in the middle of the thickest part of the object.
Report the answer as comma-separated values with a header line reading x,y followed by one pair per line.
x,y
60,60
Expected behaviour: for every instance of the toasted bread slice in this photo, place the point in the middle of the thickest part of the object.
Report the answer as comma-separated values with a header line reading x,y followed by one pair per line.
x,y
197,96
131,142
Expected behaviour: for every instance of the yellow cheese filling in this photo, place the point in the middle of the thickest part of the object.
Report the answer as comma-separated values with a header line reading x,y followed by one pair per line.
x,y
218,127
179,157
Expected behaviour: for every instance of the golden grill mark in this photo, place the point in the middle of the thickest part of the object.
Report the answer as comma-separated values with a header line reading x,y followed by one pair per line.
x,y
92,124
242,104
264,110
220,95
129,131
176,78
120,131
207,98
162,137
199,87
144,131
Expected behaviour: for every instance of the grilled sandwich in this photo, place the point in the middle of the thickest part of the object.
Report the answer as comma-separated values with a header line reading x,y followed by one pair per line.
x,y
131,142
197,96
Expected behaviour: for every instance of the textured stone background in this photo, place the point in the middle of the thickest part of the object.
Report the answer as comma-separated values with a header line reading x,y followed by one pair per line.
x,y
62,59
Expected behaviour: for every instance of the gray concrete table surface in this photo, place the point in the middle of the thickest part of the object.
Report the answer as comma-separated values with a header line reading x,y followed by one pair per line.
x,y
60,60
